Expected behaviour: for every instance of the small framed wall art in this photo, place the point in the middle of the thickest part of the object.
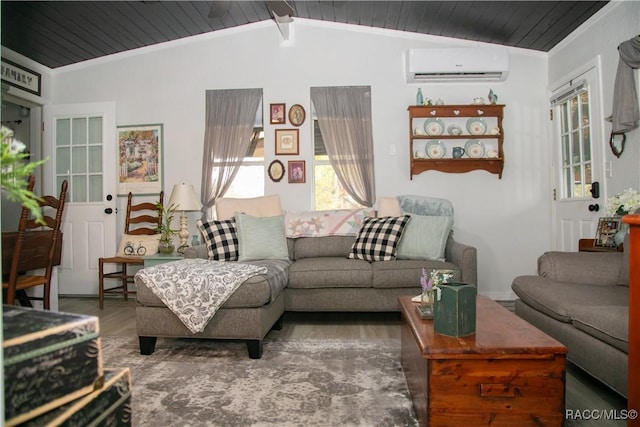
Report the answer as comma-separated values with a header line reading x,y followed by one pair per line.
x,y
276,170
607,228
296,115
287,142
277,114
140,155
296,171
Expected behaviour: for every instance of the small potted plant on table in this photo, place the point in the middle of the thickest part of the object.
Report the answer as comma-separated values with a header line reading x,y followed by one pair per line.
x,y
166,245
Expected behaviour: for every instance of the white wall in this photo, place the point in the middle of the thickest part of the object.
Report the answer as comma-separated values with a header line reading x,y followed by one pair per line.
x,y
506,219
615,23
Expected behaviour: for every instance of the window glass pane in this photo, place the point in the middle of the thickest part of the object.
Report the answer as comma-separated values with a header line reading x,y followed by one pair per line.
x,y
249,182
79,160
586,145
564,121
79,189
573,106
566,154
568,182
584,107
575,148
95,130
63,132
95,188
63,161
79,136
577,181
95,159
329,193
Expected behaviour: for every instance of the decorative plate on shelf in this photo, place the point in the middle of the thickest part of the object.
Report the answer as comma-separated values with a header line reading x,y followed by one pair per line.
x,y
474,149
276,170
454,130
435,150
434,127
476,126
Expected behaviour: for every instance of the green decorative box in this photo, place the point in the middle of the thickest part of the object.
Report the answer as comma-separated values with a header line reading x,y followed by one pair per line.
x,y
49,359
109,406
454,309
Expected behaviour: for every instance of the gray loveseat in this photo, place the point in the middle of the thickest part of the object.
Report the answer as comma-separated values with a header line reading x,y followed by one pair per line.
x,y
317,277
582,300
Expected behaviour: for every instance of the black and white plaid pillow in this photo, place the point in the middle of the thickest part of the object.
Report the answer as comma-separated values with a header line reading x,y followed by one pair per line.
x,y
378,238
221,238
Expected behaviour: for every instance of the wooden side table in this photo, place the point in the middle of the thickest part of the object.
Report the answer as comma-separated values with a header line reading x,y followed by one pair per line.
x,y
151,260
587,245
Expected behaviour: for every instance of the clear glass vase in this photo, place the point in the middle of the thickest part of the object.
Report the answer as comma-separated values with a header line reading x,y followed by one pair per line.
x,y
166,247
426,304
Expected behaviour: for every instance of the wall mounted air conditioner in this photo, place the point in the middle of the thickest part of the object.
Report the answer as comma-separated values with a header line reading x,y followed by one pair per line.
x,y
457,64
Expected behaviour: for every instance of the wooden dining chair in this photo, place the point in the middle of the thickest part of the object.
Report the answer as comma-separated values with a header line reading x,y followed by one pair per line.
x,y
142,219
36,247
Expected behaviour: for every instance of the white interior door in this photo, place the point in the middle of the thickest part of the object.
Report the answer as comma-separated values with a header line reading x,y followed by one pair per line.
x,y
80,141
578,150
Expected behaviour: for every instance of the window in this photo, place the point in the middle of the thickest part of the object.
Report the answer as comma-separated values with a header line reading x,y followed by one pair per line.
x,y
328,192
575,143
249,181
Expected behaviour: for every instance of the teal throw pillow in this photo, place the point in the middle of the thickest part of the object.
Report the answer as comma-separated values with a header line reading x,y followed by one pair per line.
x,y
261,237
425,237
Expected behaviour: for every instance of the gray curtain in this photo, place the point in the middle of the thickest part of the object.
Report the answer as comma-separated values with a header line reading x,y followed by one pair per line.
x,y
344,118
229,121
625,95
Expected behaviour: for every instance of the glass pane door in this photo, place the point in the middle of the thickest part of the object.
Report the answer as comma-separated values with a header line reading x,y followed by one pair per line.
x,y
575,137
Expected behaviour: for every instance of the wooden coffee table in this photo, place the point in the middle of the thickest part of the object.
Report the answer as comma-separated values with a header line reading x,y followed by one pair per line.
x,y
506,374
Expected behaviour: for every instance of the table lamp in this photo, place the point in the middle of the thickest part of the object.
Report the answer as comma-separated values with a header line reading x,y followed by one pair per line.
x,y
183,197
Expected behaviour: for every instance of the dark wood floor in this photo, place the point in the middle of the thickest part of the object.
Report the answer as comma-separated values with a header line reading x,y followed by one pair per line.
x,y
583,393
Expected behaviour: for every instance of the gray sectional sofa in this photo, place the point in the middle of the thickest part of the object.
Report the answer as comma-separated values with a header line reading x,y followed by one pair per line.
x,y
317,277
582,300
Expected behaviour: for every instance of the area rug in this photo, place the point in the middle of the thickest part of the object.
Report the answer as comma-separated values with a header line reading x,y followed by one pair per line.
x,y
188,382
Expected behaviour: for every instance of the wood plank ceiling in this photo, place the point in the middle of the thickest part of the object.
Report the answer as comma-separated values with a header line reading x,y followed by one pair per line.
x,y
59,33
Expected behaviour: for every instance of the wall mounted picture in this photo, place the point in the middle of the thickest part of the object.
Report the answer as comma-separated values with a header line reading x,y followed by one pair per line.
x,y
607,229
296,115
140,159
287,142
296,171
277,114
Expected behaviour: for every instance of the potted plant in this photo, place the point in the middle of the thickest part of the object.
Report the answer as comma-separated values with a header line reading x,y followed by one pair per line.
x,y
166,245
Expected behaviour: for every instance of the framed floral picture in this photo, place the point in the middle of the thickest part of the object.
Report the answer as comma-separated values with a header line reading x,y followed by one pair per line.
x,y
297,171
287,142
277,114
140,154
607,228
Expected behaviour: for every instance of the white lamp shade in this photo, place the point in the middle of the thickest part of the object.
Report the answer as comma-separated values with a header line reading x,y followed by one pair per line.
x,y
184,198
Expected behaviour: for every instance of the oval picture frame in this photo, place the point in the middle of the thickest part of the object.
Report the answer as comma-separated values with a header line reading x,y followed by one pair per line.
x,y
297,115
276,170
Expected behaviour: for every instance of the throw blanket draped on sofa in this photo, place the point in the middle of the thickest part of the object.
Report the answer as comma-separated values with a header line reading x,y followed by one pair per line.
x,y
194,289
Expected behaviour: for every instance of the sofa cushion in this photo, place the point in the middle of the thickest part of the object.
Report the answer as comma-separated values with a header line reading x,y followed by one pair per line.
x,y
406,273
149,242
421,205
560,299
608,323
329,272
378,238
227,207
261,238
329,246
425,237
594,268
220,238
339,222
389,206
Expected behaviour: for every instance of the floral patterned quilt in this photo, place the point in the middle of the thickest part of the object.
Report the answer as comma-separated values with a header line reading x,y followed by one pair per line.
x,y
194,289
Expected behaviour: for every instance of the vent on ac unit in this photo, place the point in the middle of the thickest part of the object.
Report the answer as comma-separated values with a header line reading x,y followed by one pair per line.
x,y
457,64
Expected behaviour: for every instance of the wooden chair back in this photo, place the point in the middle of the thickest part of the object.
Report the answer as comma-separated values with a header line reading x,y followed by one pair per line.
x,y
138,223
37,245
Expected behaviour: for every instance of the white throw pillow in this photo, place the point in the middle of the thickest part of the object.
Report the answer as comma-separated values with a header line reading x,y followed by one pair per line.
x,y
141,244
